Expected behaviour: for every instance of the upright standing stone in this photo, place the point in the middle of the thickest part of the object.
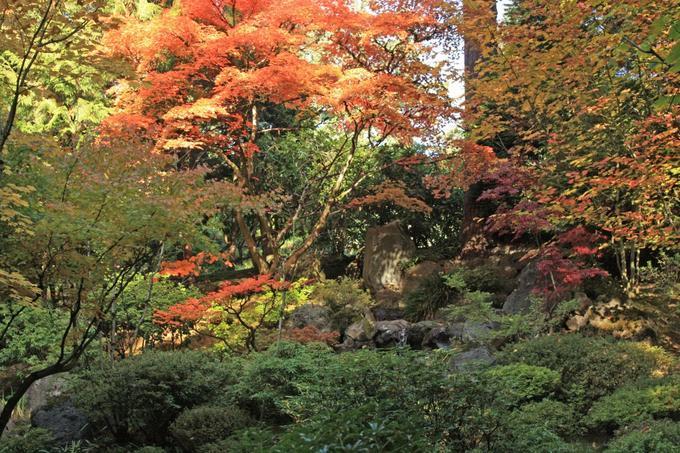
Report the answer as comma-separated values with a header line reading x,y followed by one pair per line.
x,y
519,301
386,253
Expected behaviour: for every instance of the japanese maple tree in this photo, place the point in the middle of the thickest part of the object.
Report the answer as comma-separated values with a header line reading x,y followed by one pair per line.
x,y
247,304
577,100
231,83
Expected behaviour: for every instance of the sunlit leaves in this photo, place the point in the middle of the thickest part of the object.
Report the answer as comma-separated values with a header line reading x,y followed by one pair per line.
x,y
580,98
227,84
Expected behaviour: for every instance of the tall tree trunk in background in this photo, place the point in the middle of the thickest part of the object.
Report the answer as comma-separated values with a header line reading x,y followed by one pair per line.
x,y
471,231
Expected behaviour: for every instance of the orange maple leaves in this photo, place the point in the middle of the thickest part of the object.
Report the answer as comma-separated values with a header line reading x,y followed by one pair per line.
x,y
195,310
191,267
203,60
392,192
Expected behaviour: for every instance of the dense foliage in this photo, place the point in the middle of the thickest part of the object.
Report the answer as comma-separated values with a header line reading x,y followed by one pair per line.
x,y
193,205
579,102
307,398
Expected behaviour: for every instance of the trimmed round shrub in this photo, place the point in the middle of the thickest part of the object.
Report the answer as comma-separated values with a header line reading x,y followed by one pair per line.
x,y
138,398
662,436
536,439
554,416
519,383
637,403
248,440
206,424
590,368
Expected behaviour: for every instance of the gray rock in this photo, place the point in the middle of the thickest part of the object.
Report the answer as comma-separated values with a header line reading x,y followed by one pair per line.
x,y
310,315
472,360
519,301
386,252
456,330
63,419
477,332
360,331
418,332
388,313
44,390
437,338
391,333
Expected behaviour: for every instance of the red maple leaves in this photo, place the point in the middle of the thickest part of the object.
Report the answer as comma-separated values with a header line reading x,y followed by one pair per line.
x,y
193,311
191,267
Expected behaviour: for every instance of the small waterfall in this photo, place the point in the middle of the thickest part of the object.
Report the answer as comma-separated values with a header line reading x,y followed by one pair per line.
x,y
403,338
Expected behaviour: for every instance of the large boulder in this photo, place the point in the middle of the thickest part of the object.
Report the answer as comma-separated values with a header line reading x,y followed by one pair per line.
x,y
358,335
519,301
313,315
63,419
421,331
473,359
391,333
437,338
41,392
388,248
360,331
50,409
478,332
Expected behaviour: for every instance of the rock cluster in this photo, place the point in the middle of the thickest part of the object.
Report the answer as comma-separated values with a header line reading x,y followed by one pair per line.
x,y
420,335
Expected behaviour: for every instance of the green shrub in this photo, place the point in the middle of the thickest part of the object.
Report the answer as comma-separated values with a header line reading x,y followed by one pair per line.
x,y
382,401
662,436
138,398
554,416
346,300
473,306
589,367
428,298
519,383
270,378
349,380
488,278
292,382
323,391
475,302
206,424
362,428
397,399
25,439
536,439
637,403
248,440
150,449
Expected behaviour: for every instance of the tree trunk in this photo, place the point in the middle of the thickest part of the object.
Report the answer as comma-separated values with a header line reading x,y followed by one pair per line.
x,y
258,261
471,236
472,226
23,387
